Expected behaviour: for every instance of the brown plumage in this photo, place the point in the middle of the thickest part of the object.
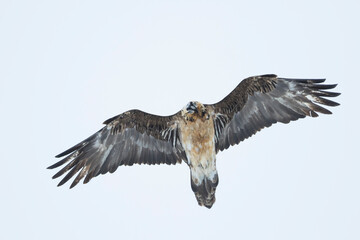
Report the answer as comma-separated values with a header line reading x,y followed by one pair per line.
x,y
196,133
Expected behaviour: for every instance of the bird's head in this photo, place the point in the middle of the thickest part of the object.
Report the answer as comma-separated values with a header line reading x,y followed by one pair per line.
x,y
195,110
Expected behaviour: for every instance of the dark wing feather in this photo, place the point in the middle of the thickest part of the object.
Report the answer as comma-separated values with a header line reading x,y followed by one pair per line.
x,y
261,101
134,137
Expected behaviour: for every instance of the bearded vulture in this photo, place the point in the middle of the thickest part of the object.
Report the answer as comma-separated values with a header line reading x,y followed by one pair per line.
x,y
196,133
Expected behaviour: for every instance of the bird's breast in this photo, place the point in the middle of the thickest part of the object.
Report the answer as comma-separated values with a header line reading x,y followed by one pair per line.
x,y
198,141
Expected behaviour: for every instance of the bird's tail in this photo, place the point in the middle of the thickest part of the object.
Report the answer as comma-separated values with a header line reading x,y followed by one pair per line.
x,y
203,184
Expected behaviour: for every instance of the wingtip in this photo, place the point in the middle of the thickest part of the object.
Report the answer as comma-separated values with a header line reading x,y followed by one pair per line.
x,y
74,183
58,174
52,166
64,180
335,94
61,154
306,80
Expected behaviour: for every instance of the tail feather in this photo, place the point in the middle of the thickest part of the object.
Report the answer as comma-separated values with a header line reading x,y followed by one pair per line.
x,y
204,189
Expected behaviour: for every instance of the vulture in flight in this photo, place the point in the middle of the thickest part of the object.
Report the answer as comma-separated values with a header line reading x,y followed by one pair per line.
x,y
196,133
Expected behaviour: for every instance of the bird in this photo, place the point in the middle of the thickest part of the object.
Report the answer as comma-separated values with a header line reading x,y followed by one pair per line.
x,y
195,134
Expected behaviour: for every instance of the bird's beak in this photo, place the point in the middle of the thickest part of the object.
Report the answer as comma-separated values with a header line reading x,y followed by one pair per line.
x,y
191,108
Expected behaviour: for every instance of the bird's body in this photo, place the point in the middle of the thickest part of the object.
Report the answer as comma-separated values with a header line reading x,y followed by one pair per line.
x,y
197,133
197,136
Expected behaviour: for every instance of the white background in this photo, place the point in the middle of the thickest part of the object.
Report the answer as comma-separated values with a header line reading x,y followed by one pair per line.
x,y
66,66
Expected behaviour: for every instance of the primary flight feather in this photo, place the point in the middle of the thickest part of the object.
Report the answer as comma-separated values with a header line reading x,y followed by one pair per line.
x,y
196,133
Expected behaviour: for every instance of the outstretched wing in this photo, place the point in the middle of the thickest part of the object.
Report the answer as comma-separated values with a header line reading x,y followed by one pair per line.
x,y
260,101
131,137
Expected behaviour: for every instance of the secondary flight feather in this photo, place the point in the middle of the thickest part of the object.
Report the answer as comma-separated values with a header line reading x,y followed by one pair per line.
x,y
196,133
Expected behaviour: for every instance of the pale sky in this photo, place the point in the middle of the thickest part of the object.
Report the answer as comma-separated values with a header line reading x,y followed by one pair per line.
x,y
66,66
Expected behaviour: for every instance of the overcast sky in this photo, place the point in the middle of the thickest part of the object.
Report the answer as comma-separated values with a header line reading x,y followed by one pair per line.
x,y
66,66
